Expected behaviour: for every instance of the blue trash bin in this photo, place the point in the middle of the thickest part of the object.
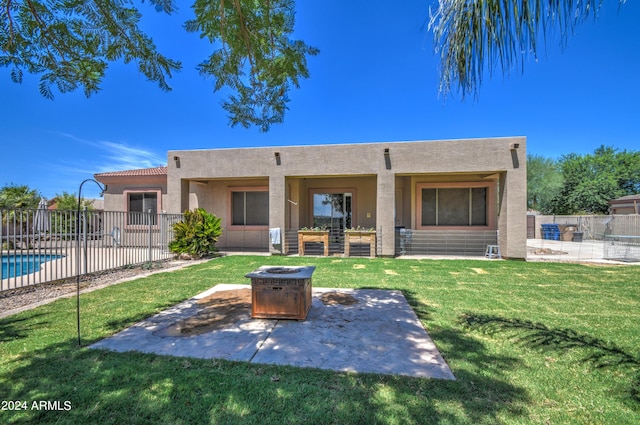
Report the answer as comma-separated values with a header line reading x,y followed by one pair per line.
x,y
551,232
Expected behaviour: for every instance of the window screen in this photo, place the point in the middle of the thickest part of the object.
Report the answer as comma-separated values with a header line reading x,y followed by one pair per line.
x,y
250,208
454,206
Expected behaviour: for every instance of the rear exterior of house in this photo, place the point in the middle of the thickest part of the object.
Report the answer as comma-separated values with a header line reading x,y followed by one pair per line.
x,y
426,197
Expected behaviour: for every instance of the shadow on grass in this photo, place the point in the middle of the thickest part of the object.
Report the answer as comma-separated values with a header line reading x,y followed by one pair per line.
x,y
124,388
421,309
122,323
12,327
600,353
481,376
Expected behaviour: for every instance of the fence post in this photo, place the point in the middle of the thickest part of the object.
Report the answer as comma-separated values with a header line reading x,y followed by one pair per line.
x,y
163,231
84,237
149,258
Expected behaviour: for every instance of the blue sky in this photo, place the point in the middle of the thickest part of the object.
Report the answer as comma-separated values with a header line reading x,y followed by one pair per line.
x,y
375,79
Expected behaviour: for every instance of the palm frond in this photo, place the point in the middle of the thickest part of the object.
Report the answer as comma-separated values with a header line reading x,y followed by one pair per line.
x,y
474,36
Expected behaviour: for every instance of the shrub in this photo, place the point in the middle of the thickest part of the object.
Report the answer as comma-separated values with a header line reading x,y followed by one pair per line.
x,y
196,234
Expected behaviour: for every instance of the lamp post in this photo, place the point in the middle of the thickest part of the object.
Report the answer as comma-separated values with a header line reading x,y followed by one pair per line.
x,y
78,269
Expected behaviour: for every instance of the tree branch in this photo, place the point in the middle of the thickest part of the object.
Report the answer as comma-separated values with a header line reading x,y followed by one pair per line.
x,y
245,35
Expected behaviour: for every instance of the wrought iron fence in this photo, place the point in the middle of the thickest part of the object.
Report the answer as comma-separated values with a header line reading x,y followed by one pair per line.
x,y
357,243
406,241
438,242
586,238
359,246
40,245
622,248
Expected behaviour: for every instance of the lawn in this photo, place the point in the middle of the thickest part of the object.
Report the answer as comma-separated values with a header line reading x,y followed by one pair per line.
x,y
528,343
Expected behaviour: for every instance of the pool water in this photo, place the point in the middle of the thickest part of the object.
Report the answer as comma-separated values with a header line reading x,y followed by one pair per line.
x,y
18,265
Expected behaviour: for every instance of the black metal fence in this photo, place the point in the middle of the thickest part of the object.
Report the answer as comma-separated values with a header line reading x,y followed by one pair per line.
x,y
40,245
407,242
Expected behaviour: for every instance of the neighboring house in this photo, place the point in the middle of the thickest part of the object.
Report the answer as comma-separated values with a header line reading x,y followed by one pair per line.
x,y
438,190
626,205
132,194
135,191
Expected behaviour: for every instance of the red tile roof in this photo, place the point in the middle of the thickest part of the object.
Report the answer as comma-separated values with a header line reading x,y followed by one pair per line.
x,y
155,171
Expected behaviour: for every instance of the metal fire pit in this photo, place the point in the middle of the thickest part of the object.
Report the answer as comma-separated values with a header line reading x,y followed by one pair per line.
x,y
281,292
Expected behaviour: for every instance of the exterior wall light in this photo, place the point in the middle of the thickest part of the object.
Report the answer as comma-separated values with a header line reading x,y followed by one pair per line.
x,y
387,159
513,147
277,155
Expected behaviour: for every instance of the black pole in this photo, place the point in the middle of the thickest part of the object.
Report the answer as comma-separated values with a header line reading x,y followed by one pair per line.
x,y
78,251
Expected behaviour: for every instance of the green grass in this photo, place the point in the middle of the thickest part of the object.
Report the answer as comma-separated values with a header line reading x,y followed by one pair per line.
x,y
528,343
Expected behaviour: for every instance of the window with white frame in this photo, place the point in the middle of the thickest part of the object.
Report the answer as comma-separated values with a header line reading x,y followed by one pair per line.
x,y
249,207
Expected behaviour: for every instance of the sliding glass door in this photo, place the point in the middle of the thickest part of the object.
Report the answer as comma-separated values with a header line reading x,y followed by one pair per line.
x,y
333,211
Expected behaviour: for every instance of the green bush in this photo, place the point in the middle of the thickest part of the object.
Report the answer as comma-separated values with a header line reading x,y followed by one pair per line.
x,y
196,234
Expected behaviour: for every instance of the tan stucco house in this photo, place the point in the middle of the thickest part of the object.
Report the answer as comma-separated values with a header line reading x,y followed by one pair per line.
x,y
447,188
420,197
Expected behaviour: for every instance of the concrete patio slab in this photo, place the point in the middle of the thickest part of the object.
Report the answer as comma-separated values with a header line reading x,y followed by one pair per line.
x,y
376,332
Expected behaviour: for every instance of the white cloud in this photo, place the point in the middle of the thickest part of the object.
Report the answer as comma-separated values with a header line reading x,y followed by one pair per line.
x,y
123,157
118,156
82,159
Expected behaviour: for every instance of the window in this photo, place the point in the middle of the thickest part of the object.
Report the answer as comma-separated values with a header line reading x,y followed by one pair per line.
x,y
454,205
250,208
139,206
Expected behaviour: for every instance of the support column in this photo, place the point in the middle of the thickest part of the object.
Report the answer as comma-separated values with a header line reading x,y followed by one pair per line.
x,y
277,200
177,196
385,206
512,221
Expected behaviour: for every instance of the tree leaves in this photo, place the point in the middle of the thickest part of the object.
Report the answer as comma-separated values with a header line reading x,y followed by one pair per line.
x,y
256,59
13,196
70,42
591,181
544,179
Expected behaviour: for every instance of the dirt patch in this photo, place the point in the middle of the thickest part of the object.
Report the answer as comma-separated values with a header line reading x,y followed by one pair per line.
x,y
217,311
333,298
544,251
224,308
13,301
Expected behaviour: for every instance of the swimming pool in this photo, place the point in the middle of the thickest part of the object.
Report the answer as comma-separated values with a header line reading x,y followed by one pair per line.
x,y
17,265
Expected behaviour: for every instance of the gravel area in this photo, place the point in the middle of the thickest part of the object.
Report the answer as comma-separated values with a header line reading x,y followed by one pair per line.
x,y
16,300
